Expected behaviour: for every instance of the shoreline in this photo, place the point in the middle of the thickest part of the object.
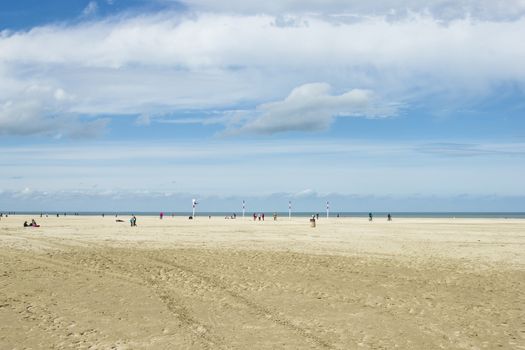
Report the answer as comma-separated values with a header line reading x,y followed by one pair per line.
x,y
284,215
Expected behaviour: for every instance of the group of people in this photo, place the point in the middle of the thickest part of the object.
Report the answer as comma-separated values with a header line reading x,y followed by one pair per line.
x,y
32,224
371,217
258,216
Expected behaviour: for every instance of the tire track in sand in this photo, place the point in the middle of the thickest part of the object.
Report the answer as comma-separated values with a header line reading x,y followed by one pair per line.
x,y
257,309
199,330
167,295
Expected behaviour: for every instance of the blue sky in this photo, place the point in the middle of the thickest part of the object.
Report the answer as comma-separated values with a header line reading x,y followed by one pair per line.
x,y
143,105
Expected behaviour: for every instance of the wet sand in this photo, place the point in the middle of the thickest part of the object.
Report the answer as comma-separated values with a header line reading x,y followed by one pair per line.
x,y
89,282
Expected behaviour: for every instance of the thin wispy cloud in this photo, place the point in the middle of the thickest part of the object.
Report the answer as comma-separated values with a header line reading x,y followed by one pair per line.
x,y
91,9
472,150
258,168
443,9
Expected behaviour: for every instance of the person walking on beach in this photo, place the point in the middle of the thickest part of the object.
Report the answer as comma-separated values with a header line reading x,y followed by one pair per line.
x,y
370,217
262,215
161,215
389,217
254,216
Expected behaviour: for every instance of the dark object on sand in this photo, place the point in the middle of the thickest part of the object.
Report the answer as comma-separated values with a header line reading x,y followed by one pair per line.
x,y
32,224
118,220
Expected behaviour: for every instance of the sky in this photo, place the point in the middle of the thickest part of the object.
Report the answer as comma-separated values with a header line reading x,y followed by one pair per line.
x,y
135,105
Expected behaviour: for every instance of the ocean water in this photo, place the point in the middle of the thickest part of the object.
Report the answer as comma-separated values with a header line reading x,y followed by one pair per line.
x,y
501,215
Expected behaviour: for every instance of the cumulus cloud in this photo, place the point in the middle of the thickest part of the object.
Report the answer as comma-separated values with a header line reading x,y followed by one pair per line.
x,y
42,109
311,107
160,64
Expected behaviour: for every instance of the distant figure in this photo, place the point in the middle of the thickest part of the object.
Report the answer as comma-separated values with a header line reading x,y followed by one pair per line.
x,y
259,217
133,221
317,216
161,215
26,224
254,216
102,214
234,216
58,215
274,216
262,215
312,221
389,217
337,215
370,217
209,216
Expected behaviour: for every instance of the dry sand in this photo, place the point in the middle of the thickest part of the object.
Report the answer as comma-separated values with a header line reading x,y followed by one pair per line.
x,y
92,283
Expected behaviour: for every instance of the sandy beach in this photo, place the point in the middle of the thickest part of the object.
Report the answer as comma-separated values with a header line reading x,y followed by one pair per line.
x,y
93,283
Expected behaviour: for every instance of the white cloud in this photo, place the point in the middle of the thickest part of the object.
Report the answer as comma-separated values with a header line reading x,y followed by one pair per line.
x,y
90,9
158,64
305,169
310,107
305,193
42,109
445,9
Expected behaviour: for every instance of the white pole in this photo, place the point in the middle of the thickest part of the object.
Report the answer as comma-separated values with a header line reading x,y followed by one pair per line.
x,y
243,208
193,203
327,209
289,210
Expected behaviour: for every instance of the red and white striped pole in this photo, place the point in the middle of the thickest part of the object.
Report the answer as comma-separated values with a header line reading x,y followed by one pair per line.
x,y
327,209
289,210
